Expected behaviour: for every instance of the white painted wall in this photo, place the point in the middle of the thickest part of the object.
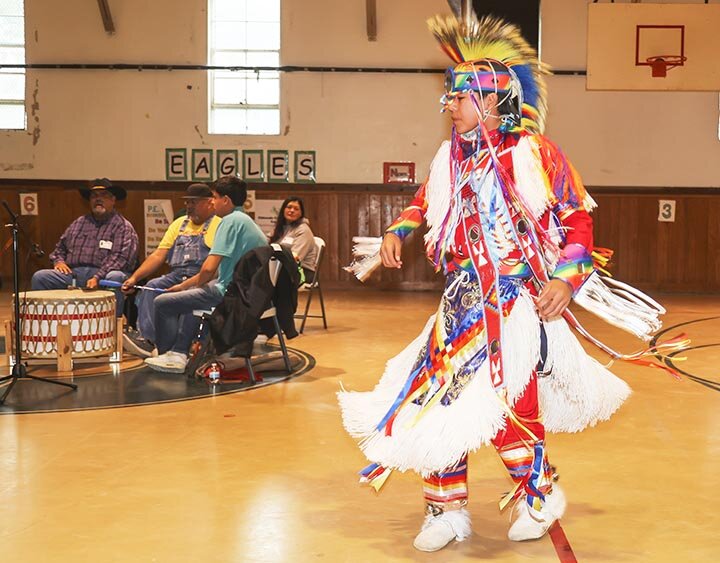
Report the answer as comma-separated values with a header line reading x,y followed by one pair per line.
x,y
118,123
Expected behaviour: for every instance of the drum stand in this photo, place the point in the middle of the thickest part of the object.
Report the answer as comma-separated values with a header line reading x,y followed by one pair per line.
x,y
19,370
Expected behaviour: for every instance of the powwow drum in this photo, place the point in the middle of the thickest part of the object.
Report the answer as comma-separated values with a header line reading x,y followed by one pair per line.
x,y
91,316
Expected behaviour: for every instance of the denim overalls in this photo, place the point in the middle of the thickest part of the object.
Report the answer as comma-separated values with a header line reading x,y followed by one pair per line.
x,y
185,258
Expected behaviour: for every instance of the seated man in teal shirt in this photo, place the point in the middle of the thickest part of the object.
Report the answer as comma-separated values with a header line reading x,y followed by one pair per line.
x,y
236,235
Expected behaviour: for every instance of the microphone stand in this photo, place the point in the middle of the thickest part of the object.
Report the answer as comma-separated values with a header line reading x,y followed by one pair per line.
x,y
19,370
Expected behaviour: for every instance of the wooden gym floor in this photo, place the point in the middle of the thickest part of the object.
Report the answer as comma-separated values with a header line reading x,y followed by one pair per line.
x,y
268,475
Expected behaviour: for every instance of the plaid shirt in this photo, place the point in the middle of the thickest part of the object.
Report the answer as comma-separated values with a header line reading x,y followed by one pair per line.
x,y
80,244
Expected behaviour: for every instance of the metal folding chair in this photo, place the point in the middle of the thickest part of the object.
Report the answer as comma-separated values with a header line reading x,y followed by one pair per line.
x,y
313,287
206,349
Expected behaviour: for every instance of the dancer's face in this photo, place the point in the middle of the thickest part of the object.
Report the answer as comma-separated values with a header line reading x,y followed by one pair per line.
x,y
463,113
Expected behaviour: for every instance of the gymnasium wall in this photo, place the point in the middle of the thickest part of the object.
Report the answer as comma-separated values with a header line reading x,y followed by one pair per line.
x,y
84,124
118,123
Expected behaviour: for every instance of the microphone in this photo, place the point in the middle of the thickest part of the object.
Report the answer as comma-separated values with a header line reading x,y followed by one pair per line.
x,y
37,251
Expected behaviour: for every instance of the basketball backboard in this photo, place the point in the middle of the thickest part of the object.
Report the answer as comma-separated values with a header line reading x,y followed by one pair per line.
x,y
670,47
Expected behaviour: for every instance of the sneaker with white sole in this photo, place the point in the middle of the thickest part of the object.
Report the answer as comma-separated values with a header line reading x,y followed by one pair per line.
x,y
442,527
532,524
136,345
169,362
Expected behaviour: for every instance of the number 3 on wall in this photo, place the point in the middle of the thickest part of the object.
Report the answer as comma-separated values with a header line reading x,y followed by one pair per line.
x,y
667,211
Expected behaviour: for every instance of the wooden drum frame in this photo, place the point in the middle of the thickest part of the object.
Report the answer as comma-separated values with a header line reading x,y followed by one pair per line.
x,y
60,325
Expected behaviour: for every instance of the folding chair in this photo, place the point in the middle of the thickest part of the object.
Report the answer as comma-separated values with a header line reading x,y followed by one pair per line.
x,y
206,349
313,287
271,312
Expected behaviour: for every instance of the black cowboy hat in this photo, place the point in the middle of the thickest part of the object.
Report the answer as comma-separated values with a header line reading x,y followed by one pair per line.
x,y
103,184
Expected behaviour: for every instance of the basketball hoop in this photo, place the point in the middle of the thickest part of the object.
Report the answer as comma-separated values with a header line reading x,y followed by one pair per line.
x,y
660,64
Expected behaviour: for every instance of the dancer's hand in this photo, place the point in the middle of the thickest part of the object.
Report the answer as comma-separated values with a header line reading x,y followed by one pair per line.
x,y
63,268
554,299
390,251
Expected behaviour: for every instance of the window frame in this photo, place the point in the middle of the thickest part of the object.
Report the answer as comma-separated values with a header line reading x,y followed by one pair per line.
x,y
213,74
14,102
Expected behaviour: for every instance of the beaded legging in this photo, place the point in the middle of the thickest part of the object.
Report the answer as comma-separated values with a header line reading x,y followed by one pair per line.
x,y
524,457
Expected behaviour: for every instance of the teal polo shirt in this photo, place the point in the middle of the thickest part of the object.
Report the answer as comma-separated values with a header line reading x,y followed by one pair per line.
x,y
236,235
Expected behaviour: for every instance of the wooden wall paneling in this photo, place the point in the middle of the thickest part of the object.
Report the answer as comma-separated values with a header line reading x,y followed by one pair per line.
x,y
639,216
645,254
679,256
339,256
694,213
711,267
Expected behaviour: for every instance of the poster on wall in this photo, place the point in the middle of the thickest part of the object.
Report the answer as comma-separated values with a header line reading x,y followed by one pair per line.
x,y
266,212
158,216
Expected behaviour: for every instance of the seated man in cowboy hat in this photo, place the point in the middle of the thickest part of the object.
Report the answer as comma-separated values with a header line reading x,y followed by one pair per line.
x,y
184,247
99,245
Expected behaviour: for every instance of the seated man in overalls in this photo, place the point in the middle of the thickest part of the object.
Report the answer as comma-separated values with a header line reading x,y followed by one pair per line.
x,y
184,247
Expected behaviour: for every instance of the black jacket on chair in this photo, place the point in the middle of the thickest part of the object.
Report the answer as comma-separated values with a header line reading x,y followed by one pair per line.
x,y
236,321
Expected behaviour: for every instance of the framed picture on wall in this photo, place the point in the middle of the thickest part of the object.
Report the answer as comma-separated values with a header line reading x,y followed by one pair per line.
x,y
398,172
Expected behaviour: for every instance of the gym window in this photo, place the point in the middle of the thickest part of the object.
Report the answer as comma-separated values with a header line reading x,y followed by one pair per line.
x,y
12,51
244,33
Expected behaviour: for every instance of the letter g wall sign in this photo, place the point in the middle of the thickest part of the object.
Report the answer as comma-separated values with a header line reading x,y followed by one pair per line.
x,y
206,165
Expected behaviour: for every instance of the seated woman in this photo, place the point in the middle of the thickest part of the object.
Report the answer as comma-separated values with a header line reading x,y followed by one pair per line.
x,y
293,229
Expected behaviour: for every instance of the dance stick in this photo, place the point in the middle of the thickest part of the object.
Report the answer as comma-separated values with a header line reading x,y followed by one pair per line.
x,y
111,283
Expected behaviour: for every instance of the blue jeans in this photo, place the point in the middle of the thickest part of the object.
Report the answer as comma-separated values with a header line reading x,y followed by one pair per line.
x,y
52,279
145,300
175,325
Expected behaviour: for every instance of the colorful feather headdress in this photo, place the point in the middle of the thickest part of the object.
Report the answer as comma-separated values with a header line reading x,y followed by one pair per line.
x,y
474,47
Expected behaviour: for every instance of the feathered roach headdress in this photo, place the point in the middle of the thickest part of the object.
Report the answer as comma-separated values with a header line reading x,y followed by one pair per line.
x,y
492,56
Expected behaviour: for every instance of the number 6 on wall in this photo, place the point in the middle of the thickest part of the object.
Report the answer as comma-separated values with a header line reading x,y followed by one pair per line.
x,y
28,204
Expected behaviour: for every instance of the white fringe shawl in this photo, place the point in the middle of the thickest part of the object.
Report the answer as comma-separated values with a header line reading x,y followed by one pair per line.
x,y
531,180
579,393
438,193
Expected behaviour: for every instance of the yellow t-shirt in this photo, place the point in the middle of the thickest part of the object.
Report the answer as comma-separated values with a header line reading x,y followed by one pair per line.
x,y
191,229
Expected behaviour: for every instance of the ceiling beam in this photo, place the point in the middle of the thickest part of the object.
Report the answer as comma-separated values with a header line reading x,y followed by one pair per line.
x,y
106,15
371,17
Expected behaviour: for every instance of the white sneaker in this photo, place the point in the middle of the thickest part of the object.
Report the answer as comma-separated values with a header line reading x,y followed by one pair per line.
x,y
531,524
440,530
169,362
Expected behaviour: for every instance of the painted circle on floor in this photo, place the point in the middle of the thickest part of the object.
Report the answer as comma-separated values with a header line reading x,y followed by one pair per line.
x,y
132,383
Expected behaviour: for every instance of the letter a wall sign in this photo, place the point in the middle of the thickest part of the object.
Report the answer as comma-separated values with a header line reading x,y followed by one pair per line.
x,y
202,165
